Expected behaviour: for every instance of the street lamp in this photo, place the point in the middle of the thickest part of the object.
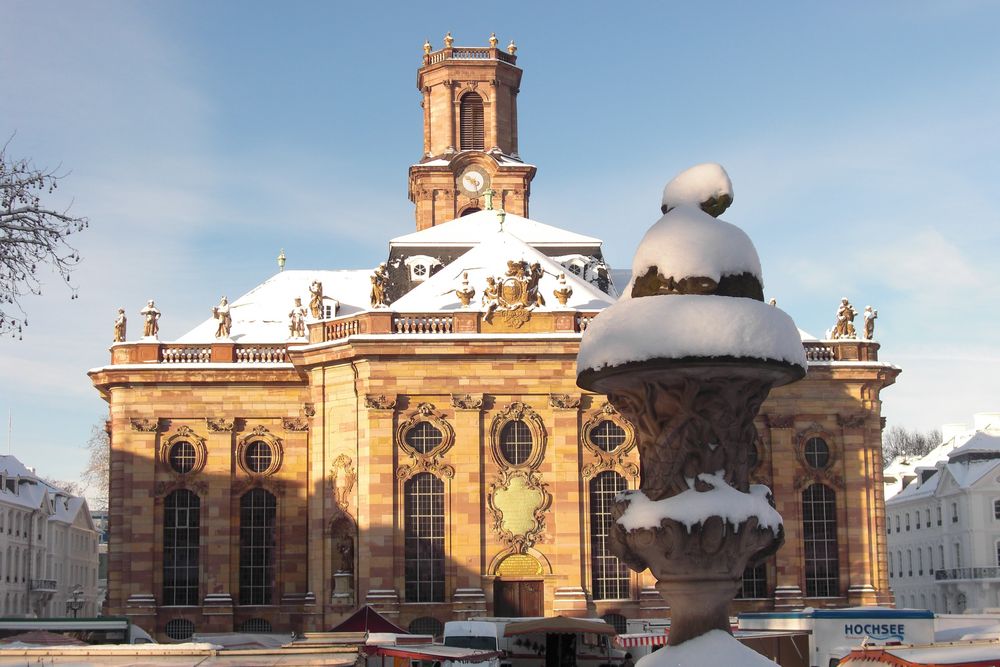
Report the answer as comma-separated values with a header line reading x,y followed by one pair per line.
x,y
75,603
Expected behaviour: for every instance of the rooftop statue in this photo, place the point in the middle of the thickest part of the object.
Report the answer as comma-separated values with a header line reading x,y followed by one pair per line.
x,y
844,328
151,320
224,321
870,316
120,322
297,320
563,292
379,279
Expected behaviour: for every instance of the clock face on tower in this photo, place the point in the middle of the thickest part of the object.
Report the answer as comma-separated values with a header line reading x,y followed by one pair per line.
x,y
473,182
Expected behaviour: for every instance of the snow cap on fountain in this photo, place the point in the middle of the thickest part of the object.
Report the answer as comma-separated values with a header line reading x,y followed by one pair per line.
x,y
688,250
696,289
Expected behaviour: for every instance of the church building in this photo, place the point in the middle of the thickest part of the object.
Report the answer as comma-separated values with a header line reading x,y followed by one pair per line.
x,y
411,436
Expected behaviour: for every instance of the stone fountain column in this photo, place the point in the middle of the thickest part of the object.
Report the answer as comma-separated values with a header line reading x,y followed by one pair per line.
x,y
688,356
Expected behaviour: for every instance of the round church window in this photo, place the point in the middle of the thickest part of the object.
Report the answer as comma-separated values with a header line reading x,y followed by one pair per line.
x,y
424,437
516,442
817,453
182,457
608,435
258,456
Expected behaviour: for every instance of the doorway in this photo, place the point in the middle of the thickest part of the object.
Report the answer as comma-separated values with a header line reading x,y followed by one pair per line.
x,y
518,598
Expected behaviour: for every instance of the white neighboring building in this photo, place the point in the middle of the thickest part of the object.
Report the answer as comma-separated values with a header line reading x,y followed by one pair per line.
x,y
48,547
943,521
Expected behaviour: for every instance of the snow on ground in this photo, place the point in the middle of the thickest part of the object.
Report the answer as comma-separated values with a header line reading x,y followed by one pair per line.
x,y
675,326
689,242
696,185
693,507
712,648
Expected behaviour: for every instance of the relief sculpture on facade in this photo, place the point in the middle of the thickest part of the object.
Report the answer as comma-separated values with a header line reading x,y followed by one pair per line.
x,y
517,501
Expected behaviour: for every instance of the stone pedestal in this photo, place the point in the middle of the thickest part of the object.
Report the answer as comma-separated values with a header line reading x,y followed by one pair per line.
x,y
343,589
694,421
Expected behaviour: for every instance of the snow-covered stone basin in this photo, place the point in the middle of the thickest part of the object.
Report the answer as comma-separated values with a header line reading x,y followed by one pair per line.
x,y
693,507
682,326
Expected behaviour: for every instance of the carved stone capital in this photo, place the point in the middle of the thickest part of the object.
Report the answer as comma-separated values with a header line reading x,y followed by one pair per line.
x,y
295,424
780,421
308,409
467,401
379,402
220,425
144,425
564,401
852,421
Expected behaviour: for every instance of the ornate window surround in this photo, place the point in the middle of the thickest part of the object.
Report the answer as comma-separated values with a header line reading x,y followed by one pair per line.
x,y
184,434
277,452
523,412
616,459
425,461
807,474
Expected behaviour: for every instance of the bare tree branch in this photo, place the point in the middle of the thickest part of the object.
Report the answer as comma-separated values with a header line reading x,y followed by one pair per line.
x,y
898,441
96,475
31,235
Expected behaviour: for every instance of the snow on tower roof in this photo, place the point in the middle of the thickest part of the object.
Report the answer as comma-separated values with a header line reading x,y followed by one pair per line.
x,y
476,227
489,258
261,315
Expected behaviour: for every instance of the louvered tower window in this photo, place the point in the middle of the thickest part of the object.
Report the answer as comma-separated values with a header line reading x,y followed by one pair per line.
x,y
473,129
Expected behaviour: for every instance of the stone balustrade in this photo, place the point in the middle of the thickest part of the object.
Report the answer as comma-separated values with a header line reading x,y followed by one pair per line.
x,y
386,322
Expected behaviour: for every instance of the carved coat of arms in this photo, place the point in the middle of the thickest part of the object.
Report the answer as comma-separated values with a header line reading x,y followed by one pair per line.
x,y
515,294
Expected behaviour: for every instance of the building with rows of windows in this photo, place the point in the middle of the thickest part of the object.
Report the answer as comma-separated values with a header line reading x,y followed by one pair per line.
x,y
943,522
419,443
48,548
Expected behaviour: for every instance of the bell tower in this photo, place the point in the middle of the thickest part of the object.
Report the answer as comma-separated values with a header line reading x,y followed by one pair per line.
x,y
470,159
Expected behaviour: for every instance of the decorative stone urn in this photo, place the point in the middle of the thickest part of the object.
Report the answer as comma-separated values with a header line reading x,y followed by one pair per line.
x,y
688,355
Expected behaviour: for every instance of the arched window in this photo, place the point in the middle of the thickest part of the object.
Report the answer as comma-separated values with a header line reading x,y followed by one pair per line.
x,y
253,625
617,621
179,629
610,578
423,508
258,511
426,625
819,536
754,583
473,128
181,530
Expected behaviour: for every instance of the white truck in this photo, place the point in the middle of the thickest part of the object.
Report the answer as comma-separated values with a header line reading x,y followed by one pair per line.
x,y
487,633
834,632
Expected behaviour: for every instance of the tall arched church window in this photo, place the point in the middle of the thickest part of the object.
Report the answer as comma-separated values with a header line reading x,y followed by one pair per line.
x,y
609,576
181,532
258,513
423,508
819,531
754,583
472,126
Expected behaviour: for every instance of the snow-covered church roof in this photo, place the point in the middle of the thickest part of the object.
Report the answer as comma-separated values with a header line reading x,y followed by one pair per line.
x,y
261,315
482,225
489,258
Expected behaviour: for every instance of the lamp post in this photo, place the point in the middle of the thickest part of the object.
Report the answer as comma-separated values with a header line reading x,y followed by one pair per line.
x,y
75,603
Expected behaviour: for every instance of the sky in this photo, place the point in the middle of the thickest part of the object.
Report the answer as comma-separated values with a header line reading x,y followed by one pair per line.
x,y
862,139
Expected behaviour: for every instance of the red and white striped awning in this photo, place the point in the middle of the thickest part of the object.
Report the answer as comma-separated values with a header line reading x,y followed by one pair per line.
x,y
641,639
